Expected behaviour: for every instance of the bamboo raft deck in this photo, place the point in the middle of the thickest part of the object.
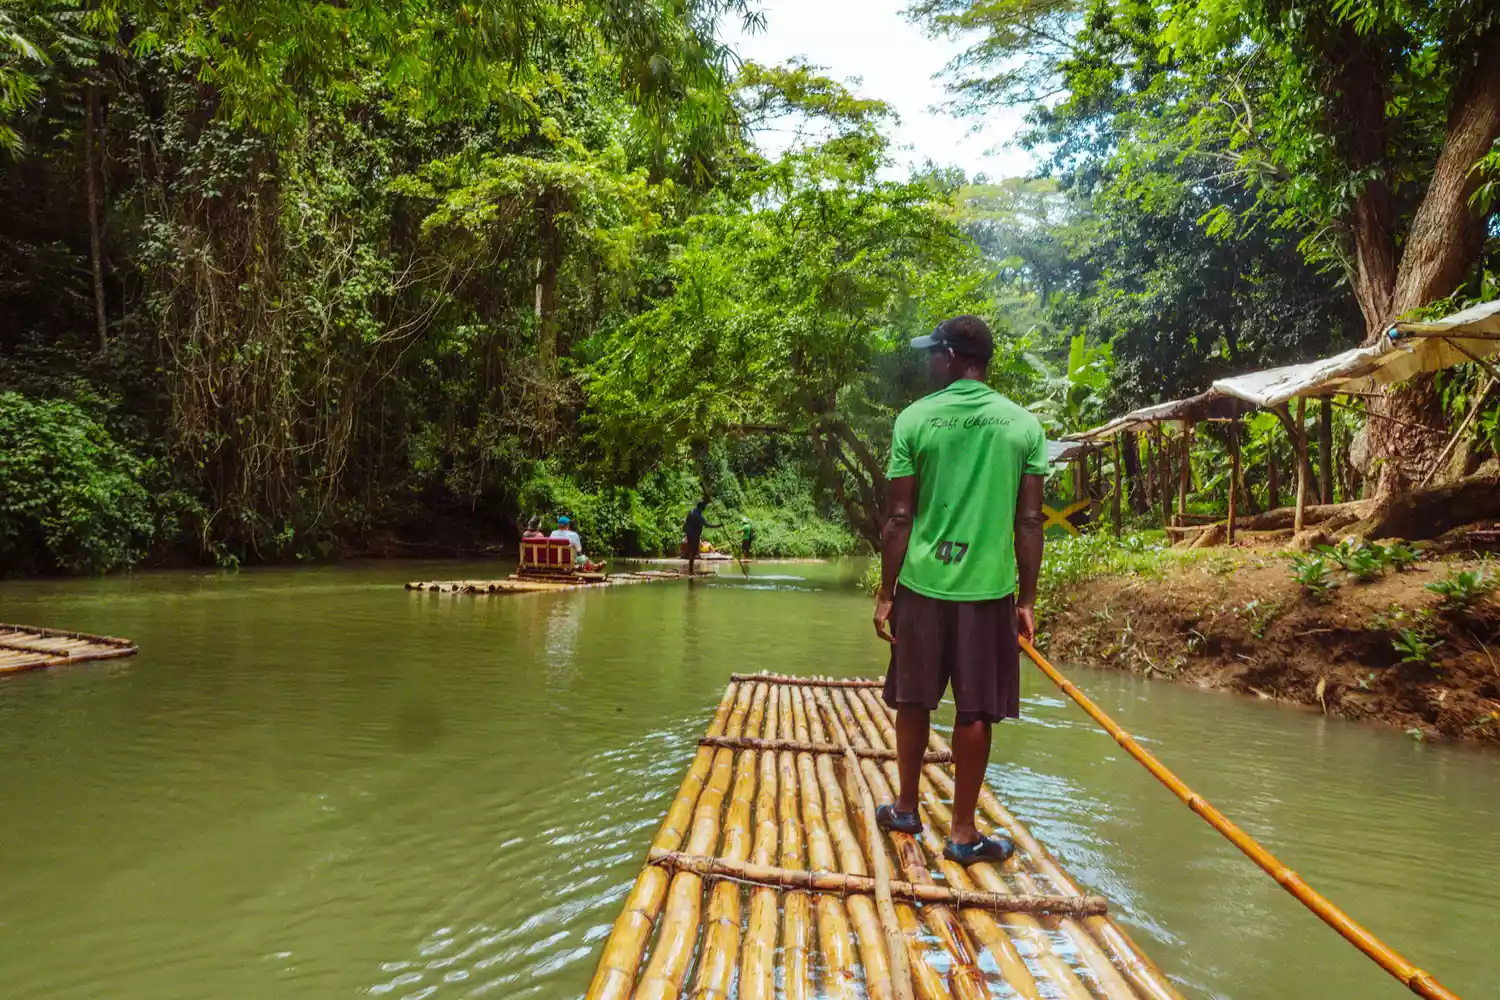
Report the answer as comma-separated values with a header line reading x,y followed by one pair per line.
x,y
768,877
26,647
530,585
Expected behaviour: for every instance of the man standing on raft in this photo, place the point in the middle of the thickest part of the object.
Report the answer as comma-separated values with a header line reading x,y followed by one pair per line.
x,y
962,550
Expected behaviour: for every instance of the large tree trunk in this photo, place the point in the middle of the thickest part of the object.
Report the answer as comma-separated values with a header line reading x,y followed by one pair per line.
x,y
96,225
1433,511
1440,249
549,264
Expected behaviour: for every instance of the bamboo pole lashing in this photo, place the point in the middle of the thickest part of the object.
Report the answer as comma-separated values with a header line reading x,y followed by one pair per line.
x,y
874,918
1122,951
755,875
806,681
744,743
1418,981
965,978
995,934
678,933
627,942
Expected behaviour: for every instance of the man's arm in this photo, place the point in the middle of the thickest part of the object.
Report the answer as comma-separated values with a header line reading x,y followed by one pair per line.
x,y
893,542
1029,543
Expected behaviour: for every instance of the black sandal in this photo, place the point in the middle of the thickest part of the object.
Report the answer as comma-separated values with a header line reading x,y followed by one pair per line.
x,y
889,819
998,850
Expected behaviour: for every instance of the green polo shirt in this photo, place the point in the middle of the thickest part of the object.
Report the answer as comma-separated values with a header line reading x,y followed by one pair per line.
x,y
968,446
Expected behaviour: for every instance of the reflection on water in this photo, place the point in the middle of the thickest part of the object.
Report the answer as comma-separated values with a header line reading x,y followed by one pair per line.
x,y
312,783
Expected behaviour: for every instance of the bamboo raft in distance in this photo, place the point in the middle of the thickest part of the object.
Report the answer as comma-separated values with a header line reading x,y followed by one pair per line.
x,y
26,647
537,585
768,877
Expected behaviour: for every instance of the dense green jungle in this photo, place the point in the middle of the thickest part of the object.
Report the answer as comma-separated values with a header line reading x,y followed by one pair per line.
x,y
297,280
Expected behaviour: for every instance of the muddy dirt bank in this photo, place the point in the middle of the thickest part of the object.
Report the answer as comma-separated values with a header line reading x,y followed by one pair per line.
x,y
1239,622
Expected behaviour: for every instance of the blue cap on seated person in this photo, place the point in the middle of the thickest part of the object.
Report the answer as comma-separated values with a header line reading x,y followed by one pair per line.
x,y
564,520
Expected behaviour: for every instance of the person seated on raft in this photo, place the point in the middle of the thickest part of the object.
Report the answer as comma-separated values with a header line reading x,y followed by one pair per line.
x,y
565,531
533,528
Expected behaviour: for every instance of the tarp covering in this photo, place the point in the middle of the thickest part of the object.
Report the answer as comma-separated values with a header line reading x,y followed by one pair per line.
x,y
1066,451
1174,413
1409,348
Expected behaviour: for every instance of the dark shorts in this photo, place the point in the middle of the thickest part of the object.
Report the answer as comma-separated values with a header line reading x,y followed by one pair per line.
x,y
973,644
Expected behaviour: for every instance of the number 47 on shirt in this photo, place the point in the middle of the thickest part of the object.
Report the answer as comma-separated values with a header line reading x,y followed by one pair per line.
x,y
952,552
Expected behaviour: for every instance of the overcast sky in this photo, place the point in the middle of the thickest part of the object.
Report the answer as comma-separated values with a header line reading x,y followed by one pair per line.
x,y
894,62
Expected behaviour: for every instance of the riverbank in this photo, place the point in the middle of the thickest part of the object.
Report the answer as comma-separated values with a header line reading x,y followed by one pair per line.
x,y
1389,651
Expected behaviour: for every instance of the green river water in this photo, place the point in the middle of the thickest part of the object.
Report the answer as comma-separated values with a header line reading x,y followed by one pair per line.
x,y
314,784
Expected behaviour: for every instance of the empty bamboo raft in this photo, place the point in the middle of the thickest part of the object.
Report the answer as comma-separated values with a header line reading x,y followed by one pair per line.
x,y
26,647
527,585
768,878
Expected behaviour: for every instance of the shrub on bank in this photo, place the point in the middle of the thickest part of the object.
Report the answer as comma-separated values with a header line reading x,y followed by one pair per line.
x,y
70,495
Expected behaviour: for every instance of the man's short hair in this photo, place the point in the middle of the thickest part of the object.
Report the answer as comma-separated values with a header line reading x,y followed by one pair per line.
x,y
969,337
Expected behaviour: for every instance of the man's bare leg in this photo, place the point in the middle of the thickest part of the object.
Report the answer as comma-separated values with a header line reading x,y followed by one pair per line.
x,y
912,726
971,754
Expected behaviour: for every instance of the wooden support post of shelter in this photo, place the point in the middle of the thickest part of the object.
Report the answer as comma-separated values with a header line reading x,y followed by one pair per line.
x,y
1325,452
1119,486
1234,477
1185,476
1301,432
1162,464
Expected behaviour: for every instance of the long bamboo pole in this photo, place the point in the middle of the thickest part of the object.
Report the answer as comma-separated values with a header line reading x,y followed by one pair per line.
x,y
965,977
677,937
719,955
835,937
1148,981
1301,515
1418,981
743,743
758,876
615,977
996,935
875,921
796,907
